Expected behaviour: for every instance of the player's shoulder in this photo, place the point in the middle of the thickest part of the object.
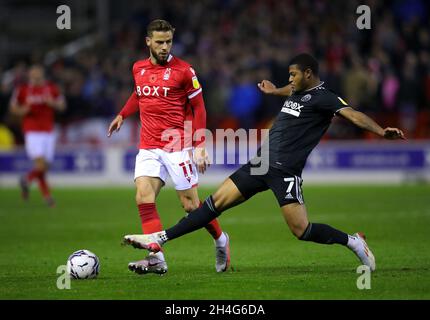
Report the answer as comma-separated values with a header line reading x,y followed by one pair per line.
x,y
327,96
323,92
140,64
178,62
21,88
181,64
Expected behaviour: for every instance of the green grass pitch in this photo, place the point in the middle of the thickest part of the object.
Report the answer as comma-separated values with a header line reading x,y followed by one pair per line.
x,y
268,262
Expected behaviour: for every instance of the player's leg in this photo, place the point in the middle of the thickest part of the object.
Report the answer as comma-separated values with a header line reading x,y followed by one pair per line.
x,y
48,147
150,176
32,150
288,192
147,190
296,217
190,201
239,187
42,166
39,147
184,175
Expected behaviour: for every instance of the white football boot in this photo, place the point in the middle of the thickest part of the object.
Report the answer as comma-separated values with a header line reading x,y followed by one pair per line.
x,y
361,249
153,263
151,242
222,254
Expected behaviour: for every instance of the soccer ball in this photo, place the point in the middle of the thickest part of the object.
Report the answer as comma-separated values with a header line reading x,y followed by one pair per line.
x,y
83,264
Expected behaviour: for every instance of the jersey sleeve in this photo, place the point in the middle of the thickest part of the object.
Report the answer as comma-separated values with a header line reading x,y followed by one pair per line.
x,y
130,107
56,92
332,103
18,96
191,83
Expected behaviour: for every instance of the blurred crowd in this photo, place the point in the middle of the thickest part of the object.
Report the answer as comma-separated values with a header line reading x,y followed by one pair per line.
x,y
233,44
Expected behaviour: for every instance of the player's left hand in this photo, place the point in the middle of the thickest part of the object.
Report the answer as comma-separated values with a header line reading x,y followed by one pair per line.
x,y
201,159
393,134
115,125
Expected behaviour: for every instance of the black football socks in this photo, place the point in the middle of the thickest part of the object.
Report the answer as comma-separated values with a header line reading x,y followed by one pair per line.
x,y
196,219
323,233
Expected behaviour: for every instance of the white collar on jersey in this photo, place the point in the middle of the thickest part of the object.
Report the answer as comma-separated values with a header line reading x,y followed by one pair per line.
x,y
169,58
321,83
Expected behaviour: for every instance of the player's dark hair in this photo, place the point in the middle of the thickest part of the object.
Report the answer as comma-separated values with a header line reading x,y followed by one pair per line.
x,y
306,61
159,25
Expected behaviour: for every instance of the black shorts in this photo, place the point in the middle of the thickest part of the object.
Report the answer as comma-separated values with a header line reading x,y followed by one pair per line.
x,y
286,188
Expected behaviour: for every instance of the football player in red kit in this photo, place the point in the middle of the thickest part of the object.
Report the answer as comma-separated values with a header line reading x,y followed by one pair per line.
x,y
167,95
36,102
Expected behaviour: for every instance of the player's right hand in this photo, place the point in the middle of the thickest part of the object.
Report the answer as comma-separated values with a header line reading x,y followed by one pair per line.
x,y
393,134
267,87
201,159
115,125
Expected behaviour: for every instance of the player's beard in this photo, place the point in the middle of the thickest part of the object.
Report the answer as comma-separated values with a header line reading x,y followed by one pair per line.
x,y
301,86
159,59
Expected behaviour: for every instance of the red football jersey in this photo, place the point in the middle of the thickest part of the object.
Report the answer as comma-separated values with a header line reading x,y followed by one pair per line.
x,y
163,92
41,116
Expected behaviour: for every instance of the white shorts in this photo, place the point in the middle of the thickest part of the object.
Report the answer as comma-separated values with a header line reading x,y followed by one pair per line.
x,y
159,163
40,145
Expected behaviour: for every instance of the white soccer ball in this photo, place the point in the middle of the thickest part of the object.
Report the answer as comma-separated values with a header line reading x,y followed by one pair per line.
x,y
83,264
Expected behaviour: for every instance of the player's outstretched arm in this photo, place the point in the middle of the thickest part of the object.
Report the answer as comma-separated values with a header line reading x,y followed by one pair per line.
x,y
200,156
269,88
363,121
130,107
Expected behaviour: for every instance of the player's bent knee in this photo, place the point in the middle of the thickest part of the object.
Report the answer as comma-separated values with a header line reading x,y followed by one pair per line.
x,y
298,228
40,165
226,197
190,205
299,231
145,196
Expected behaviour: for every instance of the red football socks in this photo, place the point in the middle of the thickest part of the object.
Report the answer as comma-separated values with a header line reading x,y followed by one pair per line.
x,y
33,174
213,227
149,217
43,185
40,176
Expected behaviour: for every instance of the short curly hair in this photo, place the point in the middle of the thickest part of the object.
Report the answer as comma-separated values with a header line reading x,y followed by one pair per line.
x,y
159,25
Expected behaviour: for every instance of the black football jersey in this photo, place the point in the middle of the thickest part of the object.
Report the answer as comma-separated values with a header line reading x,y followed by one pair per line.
x,y
298,128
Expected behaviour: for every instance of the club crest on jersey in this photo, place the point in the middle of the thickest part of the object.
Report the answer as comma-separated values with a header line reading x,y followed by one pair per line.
x,y
306,98
293,108
166,75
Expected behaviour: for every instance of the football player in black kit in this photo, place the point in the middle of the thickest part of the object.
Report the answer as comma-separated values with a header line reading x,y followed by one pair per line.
x,y
303,120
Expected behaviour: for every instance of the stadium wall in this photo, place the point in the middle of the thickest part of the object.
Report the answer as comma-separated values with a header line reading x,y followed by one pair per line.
x,y
348,162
